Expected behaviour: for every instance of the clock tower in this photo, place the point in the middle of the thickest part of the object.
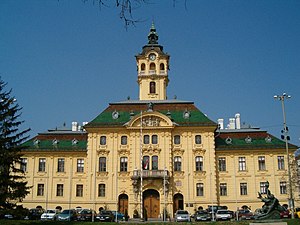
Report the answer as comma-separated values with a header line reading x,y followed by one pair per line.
x,y
152,66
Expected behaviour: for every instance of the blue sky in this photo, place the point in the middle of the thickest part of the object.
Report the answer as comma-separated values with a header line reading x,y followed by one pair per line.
x,y
66,60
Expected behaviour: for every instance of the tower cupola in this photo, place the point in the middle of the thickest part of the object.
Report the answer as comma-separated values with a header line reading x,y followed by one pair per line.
x,y
153,66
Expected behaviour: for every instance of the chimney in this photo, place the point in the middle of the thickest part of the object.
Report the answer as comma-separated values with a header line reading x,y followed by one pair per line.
x,y
231,123
221,124
74,126
238,121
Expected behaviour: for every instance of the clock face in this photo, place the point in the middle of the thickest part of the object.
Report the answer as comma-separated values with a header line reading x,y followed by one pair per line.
x,y
152,56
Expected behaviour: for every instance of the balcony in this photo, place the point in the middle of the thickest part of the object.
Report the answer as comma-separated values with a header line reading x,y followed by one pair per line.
x,y
150,174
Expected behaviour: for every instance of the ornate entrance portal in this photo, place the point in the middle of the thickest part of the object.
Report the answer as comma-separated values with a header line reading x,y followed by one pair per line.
x,y
151,203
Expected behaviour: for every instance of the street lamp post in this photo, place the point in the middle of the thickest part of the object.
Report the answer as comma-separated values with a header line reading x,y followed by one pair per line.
x,y
285,135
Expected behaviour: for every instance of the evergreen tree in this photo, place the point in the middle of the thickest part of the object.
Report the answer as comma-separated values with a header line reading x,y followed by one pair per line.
x,y
13,187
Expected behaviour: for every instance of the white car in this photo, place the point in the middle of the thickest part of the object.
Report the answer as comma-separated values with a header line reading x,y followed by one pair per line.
x,y
182,216
223,214
50,214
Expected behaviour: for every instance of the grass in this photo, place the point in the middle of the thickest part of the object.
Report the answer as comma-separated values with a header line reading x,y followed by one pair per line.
x,y
26,222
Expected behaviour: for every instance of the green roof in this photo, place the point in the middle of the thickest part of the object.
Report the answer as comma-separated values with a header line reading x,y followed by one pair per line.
x,y
245,140
174,110
55,141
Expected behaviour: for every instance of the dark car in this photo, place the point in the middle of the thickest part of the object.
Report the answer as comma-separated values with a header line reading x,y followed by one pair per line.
x,y
285,214
105,216
86,215
35,214
245,215
202,215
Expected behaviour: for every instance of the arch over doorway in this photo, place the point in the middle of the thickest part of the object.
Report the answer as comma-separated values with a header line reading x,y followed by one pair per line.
x,y
151,202
178,202
123,203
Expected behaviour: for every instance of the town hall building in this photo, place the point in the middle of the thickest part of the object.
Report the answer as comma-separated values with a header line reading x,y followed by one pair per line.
x,y
154,153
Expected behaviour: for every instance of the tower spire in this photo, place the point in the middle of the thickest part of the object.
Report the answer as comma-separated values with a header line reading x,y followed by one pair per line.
x,y
152,36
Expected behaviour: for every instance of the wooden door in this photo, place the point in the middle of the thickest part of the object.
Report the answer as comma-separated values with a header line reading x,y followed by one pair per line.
x,y
151,204
123,203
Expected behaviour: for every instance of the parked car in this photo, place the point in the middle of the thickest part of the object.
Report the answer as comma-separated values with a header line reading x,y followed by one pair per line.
x,y
202,215
182,216
50,214
223,214
285,214
105,216
120,216
86,215
245,214
35,214
67,215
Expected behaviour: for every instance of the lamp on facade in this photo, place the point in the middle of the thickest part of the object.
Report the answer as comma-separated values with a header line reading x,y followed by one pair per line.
x,y
286,138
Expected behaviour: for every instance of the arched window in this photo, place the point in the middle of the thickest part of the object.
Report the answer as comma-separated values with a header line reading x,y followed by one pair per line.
x,y
152,66
143,66
152,87
162,67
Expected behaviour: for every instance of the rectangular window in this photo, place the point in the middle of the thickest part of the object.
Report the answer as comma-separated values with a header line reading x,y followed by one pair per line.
x,y
261,163
124,140
263,189
198,139
60,190
154,139
102,164
243,189
283,187
80,165
123,164
23,165
155,162
146,139
176,139
223,189
280,160
61,165
199,189
199,163
146,162
103,140
101,190
177,163
42,165
222,164
79,190
242,163
40,189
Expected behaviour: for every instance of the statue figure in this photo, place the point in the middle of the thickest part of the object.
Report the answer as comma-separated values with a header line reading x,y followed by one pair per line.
x,y
150,106
271,208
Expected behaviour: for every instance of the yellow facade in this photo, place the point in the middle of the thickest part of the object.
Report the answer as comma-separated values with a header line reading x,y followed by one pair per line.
x,y
133,148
